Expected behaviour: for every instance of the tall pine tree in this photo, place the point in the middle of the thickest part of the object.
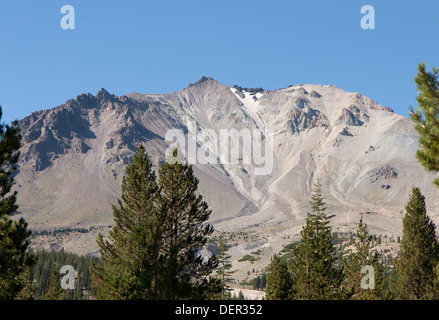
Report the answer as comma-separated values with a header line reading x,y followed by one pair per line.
x,y
130,265
419,253
363,256
313,259
15,260
223,271
185,232
54,290
426,118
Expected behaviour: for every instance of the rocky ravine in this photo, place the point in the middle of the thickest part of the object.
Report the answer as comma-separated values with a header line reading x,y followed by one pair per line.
x,y
74,156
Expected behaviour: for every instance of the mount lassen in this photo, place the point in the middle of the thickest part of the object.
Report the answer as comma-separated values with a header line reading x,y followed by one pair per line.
x,y
74,156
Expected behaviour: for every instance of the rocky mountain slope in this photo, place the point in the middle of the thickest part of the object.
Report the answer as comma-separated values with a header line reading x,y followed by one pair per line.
x,y
74,156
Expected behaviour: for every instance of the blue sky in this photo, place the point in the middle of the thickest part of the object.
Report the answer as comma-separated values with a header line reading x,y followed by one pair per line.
x,y
162,46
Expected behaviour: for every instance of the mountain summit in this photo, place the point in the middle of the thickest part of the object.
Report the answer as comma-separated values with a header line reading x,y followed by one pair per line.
x,y
74,156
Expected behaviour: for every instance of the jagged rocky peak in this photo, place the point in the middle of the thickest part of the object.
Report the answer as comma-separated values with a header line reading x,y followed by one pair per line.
x,y
205,91
202,81
87,100
104,96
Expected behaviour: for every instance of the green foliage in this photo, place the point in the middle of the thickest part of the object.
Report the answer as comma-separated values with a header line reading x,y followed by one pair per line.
x,y
313,260
151,252
247,257
54,290
223,271
185,232
47,262
363,256
259,282
130,257
15,261
419,253
288,247
60,231
280,284
426,118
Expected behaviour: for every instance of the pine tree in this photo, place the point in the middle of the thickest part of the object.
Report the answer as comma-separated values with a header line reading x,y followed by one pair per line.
x,y
130,265
280,284
419,253
313,259
426,118
27,292
353,267
15,260
223,271
185,232
257,283
54,290
263,284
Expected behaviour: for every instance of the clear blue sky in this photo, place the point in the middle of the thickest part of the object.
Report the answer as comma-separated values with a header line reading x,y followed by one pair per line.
x,y
162,46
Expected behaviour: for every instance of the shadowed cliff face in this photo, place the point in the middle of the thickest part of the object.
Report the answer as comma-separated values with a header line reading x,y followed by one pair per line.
x,y
74,156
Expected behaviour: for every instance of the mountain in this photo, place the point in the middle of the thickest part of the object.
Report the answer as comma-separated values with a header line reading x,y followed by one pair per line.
x,y
74,156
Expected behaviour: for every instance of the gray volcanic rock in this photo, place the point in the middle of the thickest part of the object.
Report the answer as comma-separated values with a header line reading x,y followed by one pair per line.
x,y
349,119
74,157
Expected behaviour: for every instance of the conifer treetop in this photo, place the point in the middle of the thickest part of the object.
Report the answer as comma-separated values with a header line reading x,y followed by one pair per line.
x,y
426,118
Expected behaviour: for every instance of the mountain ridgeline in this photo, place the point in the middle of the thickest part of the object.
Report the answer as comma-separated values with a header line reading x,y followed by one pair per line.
x,y
74,156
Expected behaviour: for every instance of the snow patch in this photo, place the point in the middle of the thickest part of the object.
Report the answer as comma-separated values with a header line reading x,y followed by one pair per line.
x,y
251,105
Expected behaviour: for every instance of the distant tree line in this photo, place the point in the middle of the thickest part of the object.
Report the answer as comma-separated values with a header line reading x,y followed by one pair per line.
x,y
59,231
46,275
